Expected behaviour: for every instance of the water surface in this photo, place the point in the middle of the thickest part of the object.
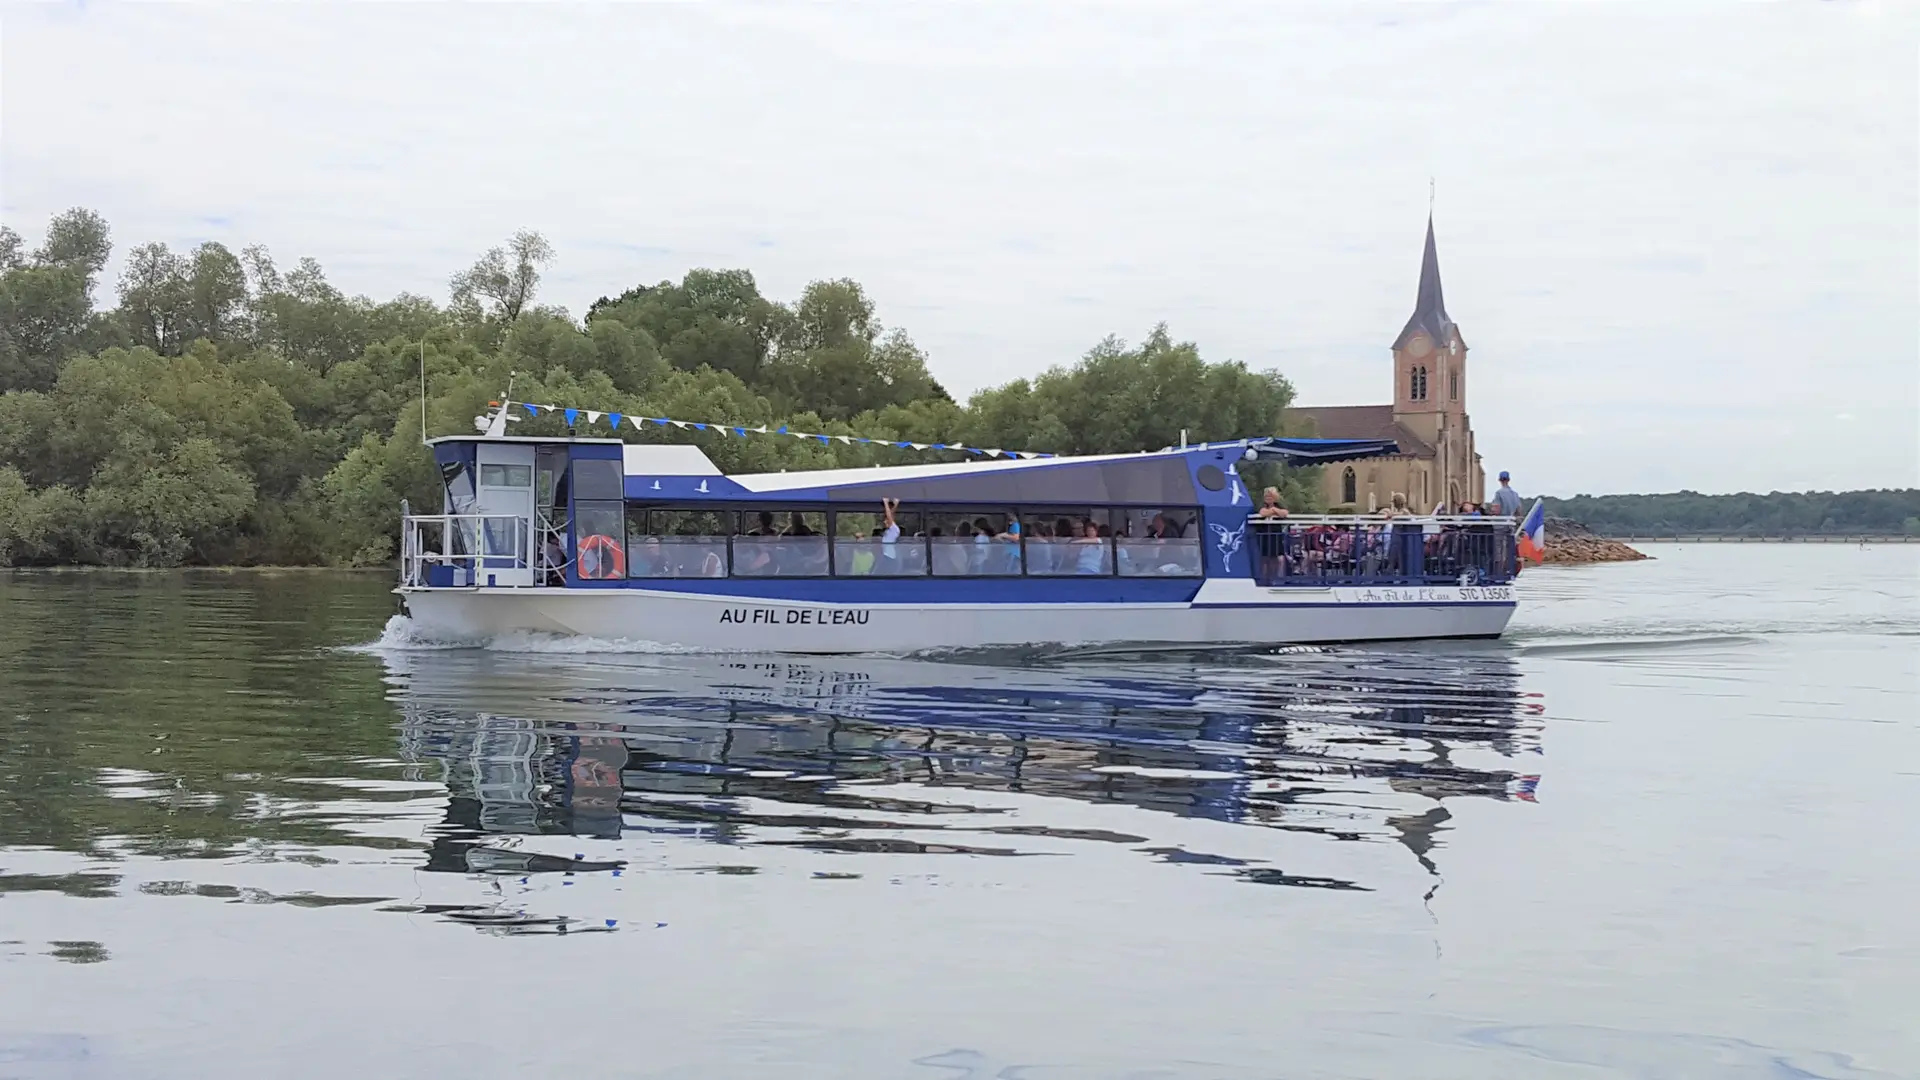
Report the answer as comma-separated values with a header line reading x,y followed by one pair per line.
x,y
1667,828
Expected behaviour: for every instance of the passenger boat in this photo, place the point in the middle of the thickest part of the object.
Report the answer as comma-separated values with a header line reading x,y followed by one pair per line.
x,y
652,544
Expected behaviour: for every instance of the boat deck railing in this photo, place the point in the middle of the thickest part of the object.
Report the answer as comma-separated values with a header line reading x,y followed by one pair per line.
x,y
453,550
1335,549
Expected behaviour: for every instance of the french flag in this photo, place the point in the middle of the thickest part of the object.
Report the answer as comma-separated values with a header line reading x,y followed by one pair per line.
x,y
1532,540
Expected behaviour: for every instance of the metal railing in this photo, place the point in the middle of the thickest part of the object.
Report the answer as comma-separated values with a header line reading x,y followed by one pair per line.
x,y
452,550
1353,550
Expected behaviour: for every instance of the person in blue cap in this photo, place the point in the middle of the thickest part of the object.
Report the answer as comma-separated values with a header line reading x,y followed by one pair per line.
x,y
1507,499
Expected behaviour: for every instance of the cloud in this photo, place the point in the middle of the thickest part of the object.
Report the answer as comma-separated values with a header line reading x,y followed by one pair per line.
x,y
1552,430
1845,417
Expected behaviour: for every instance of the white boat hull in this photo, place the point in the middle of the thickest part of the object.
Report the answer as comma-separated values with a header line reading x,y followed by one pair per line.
x,y
1223,612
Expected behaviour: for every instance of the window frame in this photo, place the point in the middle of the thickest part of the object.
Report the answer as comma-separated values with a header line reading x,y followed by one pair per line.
x,y
732,513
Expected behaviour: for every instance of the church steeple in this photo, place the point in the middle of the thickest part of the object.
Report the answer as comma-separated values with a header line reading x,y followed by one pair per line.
x,y
1430,308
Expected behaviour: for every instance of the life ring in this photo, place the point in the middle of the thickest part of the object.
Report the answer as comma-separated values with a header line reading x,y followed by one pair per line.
x,y
610,553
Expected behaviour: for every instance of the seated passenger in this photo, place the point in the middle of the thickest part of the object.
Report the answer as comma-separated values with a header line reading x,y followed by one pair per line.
x,y
797,526
1092,551
862,561
649,560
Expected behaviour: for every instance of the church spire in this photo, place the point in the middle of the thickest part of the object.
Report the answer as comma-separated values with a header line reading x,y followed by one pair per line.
x,y
1430,308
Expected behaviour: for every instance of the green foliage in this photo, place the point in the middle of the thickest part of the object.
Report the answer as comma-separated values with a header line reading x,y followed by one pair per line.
x,y
1887,512
226,412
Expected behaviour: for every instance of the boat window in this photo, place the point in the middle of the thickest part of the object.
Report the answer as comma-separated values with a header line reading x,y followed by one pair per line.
x,y
598,480
665,543
780,542
458,478
1058,543
600,534
1158,543
860,547
506,476
973,543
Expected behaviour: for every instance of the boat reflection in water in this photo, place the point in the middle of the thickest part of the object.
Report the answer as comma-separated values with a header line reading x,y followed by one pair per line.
x,y
881,755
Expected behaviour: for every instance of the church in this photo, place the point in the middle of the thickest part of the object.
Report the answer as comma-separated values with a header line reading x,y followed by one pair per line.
x,y
1428,417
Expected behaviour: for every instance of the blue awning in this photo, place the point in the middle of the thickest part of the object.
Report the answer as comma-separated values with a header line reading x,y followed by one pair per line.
x,y
1311,451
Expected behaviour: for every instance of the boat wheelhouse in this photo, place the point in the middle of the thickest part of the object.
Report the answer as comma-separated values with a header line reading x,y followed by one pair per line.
x,y
652,543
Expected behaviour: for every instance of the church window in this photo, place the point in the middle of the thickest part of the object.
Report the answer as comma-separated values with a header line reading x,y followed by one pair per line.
x,y
1418,389
1348,486
1453,384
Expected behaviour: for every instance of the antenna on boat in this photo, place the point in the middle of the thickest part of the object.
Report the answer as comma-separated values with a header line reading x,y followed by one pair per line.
x,y
423,391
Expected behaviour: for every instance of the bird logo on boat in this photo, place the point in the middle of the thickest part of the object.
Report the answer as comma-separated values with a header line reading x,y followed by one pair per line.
x,y
1229,543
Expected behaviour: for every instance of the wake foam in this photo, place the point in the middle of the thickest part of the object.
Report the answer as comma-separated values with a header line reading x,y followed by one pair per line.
x,y
402,634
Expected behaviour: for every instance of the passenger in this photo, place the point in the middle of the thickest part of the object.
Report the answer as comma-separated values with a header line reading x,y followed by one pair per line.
x,y
890,536
1507,499
1092,556
862,561
797,526
650,561
754,558
1040,550
1270,505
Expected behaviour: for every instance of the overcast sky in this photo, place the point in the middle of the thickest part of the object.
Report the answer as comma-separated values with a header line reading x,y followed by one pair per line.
x,y
1681,240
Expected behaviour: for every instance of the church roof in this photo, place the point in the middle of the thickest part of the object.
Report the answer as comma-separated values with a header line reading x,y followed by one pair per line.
x,y
1364,422
1430,308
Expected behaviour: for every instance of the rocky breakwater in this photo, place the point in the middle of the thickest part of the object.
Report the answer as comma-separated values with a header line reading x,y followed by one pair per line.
x,y
1571,542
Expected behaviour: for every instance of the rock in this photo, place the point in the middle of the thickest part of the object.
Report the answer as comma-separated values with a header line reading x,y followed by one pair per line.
x,y
1570,542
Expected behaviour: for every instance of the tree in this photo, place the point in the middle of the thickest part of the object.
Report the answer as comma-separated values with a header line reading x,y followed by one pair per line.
x,y
78,239
712,318
228,411
505,278
155,295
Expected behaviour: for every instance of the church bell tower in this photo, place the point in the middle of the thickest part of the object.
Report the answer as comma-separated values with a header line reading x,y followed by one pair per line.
x,y
1430,386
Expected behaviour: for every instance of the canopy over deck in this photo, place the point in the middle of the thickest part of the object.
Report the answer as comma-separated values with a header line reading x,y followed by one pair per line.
x,y
1310,451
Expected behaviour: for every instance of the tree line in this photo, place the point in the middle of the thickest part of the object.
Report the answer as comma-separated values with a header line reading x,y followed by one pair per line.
x,y
222,409
1891,512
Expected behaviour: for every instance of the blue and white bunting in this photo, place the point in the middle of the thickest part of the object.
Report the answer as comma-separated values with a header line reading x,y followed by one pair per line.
x,y
639,423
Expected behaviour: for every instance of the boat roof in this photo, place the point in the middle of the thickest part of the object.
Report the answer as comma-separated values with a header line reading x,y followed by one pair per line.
x,y
1199,474
518,439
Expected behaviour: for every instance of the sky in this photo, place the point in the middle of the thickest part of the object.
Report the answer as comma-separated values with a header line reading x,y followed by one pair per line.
x,y
1682,240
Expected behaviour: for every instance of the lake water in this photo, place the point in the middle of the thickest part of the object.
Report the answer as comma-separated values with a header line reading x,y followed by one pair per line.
x,y
1668,828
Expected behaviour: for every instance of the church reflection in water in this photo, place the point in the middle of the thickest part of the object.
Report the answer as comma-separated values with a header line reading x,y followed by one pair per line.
x,y
884,755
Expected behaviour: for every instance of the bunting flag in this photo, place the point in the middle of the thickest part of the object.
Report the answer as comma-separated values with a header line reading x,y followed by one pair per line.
x,y
639,423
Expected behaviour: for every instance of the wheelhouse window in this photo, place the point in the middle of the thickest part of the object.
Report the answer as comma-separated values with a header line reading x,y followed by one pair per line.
x,y
600,540
780,543
600,480
515,476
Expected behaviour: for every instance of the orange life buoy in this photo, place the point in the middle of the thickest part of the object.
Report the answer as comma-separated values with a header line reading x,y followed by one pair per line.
x,y
610,555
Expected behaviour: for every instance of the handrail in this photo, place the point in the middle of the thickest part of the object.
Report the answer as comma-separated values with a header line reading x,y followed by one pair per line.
x,y
1376,520
1339,549
465,544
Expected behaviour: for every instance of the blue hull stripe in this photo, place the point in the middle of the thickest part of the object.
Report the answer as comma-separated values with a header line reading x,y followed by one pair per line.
x,y
918,590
